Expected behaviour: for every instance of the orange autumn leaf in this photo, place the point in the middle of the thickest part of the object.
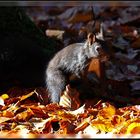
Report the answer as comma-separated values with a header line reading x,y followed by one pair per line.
x,y
117,119
25,115
26,96
107,111
83,124
67,127
38,110
133,128
7,113
101,118
64,115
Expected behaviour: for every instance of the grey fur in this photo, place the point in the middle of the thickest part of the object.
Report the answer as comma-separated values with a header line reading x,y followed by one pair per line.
x,y
72,59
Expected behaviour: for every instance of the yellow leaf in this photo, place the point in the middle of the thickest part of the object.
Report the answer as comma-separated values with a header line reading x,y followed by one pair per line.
x,y
66,116
4,96
103,127
7,113
107,112
133,128
26,96
24,115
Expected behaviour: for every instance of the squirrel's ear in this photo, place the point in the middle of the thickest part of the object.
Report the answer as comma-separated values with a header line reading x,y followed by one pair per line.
x,y
91,38
100,35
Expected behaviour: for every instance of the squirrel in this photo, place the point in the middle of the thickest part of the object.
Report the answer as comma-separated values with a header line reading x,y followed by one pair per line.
x,y
72,59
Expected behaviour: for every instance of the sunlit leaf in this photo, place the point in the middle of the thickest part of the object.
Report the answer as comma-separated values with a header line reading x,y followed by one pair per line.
x,y
80,110
91,130
25,115
4,119
133,128
2,101
66,127
103,125
117,119
70,98
107,111
83,124
7,113
39,111
13,108
40,124
26,96
4,96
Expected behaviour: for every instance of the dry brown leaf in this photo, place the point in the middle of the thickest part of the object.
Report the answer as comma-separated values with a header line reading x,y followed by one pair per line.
x,y
136,44
64,115
26,96
56,33
81,126
66,127
70,98
25,115
117,119
39,111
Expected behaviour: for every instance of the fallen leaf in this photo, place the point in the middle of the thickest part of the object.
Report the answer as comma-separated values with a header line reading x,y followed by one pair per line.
x,y
135,85
8,113
83,124
80,110
26,96
107,112
25,115
4,96
133,128
40,124
2,101
4,119
56,33
70,98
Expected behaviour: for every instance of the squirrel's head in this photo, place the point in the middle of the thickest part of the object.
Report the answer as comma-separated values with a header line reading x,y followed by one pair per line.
x,y
96,45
